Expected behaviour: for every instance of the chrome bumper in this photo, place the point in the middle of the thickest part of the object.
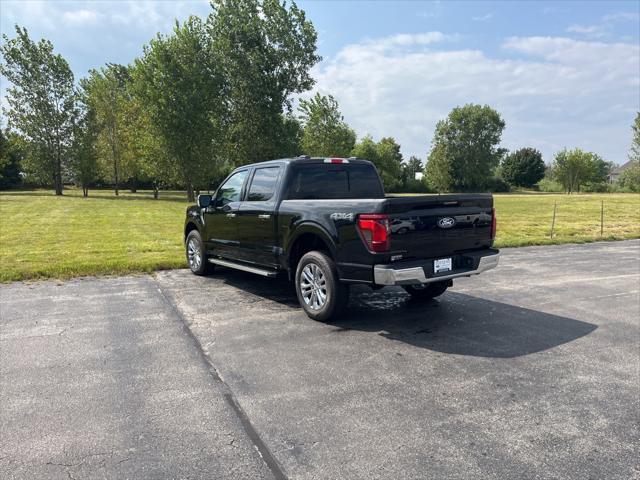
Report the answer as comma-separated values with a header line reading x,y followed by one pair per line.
x,y
384,275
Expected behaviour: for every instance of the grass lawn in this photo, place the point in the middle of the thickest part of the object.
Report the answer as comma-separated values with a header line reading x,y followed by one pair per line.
x,y
43,236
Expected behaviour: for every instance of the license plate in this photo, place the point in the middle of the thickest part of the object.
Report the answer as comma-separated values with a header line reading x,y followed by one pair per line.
x,y
442,265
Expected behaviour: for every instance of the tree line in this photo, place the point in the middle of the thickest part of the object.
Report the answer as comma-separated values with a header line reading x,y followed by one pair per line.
x,y
217,93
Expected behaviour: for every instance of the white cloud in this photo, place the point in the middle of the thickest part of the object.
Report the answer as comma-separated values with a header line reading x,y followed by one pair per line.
x,y
606,26
596,31
81,17
621,16
403,41
562,92
483,18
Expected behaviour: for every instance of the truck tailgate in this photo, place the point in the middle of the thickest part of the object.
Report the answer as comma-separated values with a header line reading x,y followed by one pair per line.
x,y
438,225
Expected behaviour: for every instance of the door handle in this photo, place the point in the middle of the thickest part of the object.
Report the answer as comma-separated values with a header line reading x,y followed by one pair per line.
x,y
264,216
231,215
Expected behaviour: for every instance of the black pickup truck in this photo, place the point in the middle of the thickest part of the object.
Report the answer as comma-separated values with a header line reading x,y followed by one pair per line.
x,y
326,223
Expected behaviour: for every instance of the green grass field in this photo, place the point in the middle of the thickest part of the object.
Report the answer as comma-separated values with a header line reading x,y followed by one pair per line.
x,y
43,236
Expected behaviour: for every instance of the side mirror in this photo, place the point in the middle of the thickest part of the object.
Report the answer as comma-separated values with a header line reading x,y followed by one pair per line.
x,y
204,201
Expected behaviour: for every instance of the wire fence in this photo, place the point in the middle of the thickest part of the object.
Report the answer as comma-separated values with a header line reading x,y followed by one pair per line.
x,y
544,219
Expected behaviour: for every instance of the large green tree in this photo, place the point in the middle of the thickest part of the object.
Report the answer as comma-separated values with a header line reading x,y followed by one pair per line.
x,y
265,50
575,168
84,152
104,94
523,168
42,104
325,133
464,149
178,82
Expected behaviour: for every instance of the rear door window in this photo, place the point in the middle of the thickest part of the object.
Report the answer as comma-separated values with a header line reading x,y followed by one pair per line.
x,y
263,184
321,181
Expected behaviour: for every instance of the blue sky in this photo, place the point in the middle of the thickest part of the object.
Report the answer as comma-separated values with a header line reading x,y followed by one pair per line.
x,y
561,73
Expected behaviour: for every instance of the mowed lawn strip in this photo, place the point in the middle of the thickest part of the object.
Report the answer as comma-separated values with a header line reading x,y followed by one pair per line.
x,y
43,236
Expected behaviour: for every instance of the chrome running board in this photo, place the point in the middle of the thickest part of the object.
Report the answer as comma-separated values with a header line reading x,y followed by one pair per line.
x,y
243,267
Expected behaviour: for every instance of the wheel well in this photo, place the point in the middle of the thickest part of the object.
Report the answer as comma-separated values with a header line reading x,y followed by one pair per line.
x,y
190,226
303,244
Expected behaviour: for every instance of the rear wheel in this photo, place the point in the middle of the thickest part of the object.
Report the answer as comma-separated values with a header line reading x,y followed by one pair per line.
x,y
319,290
196,257
427,291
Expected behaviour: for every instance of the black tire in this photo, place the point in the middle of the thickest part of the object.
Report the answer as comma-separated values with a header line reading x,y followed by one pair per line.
x,y
336,294
427,291
202,265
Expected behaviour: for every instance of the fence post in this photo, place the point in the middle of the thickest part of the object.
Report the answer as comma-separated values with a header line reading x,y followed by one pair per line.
x,y
553,221
602,218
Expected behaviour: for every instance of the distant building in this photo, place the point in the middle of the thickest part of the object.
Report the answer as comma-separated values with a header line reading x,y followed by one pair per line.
x,y
617,171
419,175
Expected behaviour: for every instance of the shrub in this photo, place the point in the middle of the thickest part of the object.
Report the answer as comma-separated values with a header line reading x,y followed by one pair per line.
x,y
549,185
498,185
630,178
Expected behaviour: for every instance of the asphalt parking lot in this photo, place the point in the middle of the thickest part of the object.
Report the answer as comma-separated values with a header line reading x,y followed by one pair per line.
x,y
529,371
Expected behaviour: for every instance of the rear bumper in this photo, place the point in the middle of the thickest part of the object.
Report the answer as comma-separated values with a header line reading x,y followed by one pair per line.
x,y
415,272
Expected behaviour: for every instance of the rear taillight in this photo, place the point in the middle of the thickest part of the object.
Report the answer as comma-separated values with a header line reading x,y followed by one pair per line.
x,y
494,223
374,228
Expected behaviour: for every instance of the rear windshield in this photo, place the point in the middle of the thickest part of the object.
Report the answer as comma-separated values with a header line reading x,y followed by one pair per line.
x,y
326,181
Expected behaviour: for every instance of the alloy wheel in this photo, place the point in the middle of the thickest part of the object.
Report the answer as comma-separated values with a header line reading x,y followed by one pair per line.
x,y
313,286
193,254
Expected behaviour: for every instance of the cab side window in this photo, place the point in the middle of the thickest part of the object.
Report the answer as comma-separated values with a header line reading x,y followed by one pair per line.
x,y
231,189
263,184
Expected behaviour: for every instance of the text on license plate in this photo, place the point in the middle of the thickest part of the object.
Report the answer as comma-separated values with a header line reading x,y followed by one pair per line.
x,y
442,265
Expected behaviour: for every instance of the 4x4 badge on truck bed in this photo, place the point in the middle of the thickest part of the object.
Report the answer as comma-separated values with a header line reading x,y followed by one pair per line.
x,y
341,216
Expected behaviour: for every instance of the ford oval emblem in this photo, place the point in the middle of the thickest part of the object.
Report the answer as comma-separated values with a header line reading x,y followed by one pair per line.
x,y
446,222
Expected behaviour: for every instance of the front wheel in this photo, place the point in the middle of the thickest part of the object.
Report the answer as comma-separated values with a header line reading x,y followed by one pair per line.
x,y
196,257
318,287
427,291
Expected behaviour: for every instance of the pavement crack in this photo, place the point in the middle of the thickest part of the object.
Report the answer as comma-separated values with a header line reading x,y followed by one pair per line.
x,y
261,447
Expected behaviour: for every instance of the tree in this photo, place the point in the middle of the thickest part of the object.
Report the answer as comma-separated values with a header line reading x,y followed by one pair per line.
x,y
575,168
104,93
630,177
634,151
409,181
265,50
42,103
386,156
12,152
389,162
523,168
179,84
291,141
156,164
599,170
84,155
464,149
324,134
413,166
367,149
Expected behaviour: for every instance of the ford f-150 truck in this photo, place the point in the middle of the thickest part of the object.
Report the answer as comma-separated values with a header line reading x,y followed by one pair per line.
x,y
326,223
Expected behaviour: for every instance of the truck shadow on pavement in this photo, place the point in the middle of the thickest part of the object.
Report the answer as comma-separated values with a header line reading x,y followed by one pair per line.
x,y
454,323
